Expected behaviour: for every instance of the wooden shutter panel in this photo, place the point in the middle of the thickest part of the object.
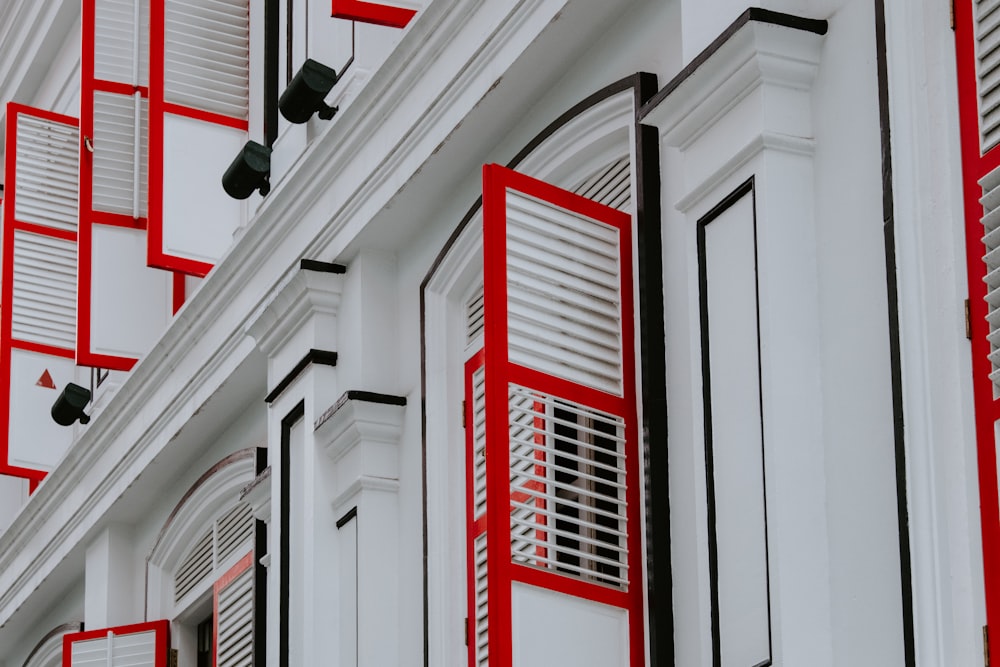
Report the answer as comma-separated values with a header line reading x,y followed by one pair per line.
x,y
379,13
140,645
123,305
234,615
987,33
38,280
558,444
199,109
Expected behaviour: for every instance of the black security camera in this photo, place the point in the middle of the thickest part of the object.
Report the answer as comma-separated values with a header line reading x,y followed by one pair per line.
x,y
306,92
70,404
248,172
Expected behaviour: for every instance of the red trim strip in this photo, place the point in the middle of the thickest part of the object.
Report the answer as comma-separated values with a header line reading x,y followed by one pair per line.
x,y
52,351
42,230
117,220
179,291
371,12
119,88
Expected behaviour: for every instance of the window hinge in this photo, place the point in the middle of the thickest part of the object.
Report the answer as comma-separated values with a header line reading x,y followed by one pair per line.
x,y
172,658
968,320
986,646
952,14
467,634
463,414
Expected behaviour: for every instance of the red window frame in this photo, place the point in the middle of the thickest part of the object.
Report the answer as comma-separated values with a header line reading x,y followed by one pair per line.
x,y
976,165
499,373
372,12
158,108
7,340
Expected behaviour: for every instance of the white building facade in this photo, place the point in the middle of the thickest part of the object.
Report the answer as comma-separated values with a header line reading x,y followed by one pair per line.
x,y
692,300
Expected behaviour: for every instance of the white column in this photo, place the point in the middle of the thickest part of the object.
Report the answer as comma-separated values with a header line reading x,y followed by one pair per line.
x,y
109,585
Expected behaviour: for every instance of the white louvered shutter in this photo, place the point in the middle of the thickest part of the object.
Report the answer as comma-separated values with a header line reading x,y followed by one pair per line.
x,y
234,614
39,287
140,645
228,535
199,101
987,36
554,429
123,305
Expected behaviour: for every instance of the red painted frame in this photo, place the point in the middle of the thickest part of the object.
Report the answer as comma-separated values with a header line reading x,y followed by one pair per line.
x,y
10,225
89,85
976,165
371,12
236,570
502,572
161,628
158,108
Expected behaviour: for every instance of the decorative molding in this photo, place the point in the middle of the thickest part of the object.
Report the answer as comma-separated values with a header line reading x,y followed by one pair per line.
x,y
321,357
352,421
779,60
258,495
49,649
364,483
307,293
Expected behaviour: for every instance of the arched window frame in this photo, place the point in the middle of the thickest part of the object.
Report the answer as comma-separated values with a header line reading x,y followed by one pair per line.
x,y
213,495
596,133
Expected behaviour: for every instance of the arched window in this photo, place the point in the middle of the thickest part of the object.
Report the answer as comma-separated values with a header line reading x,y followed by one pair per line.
x,y
201,571
570,525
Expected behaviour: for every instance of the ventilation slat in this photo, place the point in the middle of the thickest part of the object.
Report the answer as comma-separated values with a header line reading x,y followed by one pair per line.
x,y
114,154
987,31
43,308
207,55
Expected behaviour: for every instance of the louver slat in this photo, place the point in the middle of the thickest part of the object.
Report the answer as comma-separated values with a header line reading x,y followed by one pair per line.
x,y
140,645
234,597
113,155
560,515
39,286
199,109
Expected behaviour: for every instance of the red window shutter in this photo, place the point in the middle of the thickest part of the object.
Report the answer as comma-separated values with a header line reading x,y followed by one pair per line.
x,y
145,644
378,13
199,109
553,434
123,305
39,287
233,598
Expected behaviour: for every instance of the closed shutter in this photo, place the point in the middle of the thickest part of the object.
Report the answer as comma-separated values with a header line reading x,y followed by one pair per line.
x,y
392,15
234,615
123,305
199,109
39,287
557,445
141,645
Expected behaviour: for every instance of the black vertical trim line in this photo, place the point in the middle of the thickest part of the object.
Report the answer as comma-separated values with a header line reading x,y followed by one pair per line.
x,y
652,359
745,188
895,361
272,10
259,575
287,423
289,37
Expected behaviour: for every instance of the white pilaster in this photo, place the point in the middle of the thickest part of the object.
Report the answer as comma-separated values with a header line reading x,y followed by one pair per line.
x,y
109,578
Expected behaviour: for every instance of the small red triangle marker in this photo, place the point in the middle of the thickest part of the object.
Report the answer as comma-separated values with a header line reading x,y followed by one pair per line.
x,y
46,381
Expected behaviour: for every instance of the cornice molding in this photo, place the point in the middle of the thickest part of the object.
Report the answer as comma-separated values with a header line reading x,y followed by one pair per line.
x,y
775,58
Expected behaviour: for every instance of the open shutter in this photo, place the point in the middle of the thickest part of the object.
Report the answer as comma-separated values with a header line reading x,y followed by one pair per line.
x,y
554,436
199,109
395,15
124,306
140,645
234,615
39,287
